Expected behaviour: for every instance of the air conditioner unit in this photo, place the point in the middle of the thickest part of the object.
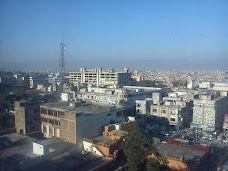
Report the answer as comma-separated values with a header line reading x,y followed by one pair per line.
x,y
48,136
45,135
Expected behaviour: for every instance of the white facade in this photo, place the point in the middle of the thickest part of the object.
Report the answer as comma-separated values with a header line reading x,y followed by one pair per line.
x,y
176,109
144,106
39,149
95,122
210,113
67,96
90,147
99,77
205,84
113,96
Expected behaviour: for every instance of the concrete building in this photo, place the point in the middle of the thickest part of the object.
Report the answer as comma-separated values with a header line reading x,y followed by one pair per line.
x,y
137,78
182,156
99,77
52,79
157,97
27,117
73,121
19,78
176,108
190,83
8,79
205,84
221,86
106,145
111,142
35,80
225,123
113,96
144,106
68,96
209,111
47,146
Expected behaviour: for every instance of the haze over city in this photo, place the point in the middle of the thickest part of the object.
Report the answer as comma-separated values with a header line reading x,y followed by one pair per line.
x,y
138,34
113,85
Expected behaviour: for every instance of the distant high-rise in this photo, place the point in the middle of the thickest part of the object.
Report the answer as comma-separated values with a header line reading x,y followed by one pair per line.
x,y
99,77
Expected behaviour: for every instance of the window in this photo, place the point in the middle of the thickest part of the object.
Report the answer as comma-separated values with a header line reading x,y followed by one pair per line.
x,y
50,112
172,119
55,113
44,119
43,111
164,111
108,114
44,129
154,110
60,113
51,121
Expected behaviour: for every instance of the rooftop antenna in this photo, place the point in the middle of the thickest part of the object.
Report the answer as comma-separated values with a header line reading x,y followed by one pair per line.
x,y
62,61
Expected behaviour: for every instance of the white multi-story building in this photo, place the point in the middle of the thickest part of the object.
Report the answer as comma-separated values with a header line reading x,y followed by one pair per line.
x,y
113,96
205,84
144,106
176,109
209,111
99,77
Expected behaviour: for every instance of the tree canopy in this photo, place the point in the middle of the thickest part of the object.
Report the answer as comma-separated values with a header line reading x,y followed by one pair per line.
x,y
137,149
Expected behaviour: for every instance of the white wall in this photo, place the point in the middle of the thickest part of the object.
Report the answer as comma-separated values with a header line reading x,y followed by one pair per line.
x,y
91,125
38,149
89,147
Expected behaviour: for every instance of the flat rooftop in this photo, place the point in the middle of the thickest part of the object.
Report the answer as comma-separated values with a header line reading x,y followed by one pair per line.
x,y
186,154
103,139
14,149
107,140
119,133
54,143
88,108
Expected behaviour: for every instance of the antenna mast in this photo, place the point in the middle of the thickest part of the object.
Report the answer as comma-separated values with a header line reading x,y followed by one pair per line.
x,y
62,61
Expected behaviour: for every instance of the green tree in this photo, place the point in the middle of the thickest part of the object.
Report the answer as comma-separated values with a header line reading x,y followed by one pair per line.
x,y
137,149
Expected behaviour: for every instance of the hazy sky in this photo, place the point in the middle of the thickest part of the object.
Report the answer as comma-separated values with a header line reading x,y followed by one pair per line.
x,y
114,33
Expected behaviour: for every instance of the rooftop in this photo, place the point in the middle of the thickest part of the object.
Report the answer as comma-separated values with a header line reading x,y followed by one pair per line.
x,y
187,154
119,133
108,140
88,108
54,143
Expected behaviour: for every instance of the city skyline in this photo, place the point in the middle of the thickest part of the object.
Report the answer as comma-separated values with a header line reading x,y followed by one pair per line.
x,y
145,34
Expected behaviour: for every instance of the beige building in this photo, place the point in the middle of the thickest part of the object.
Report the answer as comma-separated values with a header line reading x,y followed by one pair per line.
x,y
137,78
209,111
176,110
99,77
27,117
74,121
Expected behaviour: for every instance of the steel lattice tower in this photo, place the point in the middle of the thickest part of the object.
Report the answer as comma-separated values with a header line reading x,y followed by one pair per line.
x,y
62,61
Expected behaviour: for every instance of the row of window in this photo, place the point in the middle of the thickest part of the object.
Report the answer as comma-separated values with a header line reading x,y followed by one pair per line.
x,y
51,121
51,112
